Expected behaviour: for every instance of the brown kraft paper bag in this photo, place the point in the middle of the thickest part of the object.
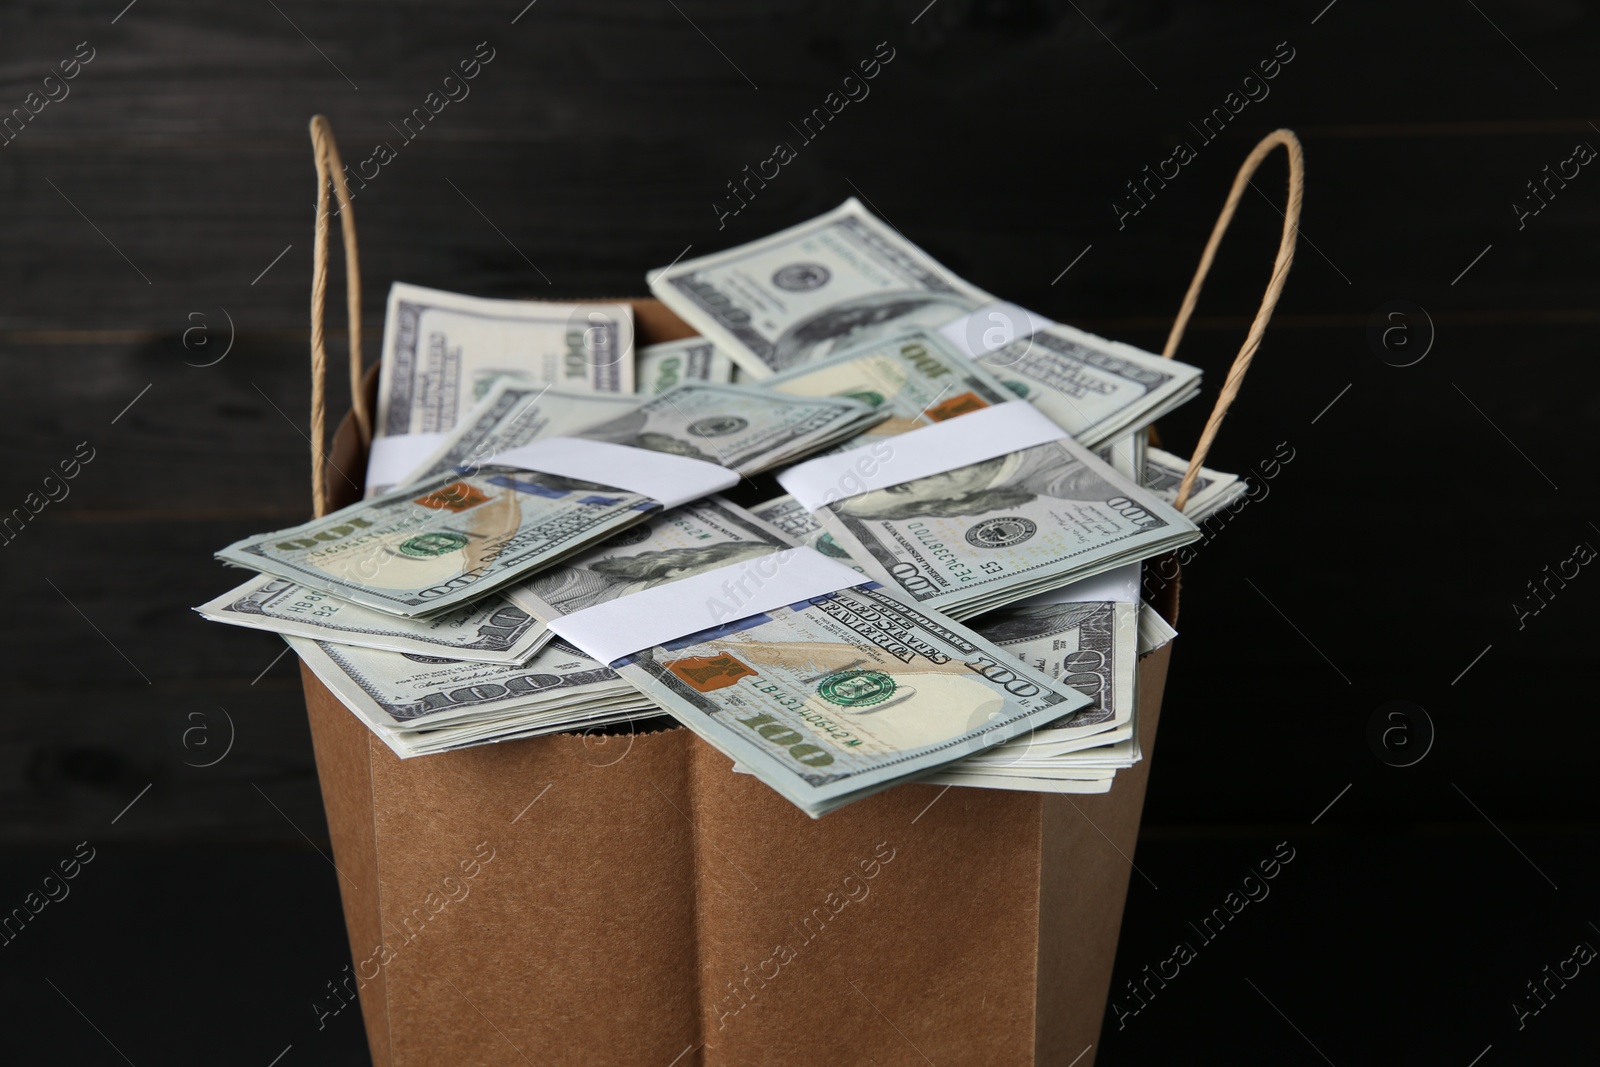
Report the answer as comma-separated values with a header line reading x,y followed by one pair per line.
x,y
596,899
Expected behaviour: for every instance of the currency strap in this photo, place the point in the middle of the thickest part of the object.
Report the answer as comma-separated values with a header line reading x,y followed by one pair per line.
x,y
608,632
944,446
673,480
392,458
1119,585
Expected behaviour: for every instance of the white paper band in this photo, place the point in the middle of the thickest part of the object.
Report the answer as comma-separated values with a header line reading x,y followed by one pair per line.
x,y
944,446
392,458
992,326
1120,585
673,480
620,627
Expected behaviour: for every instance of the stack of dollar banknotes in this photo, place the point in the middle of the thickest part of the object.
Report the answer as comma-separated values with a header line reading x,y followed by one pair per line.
x,y
940,584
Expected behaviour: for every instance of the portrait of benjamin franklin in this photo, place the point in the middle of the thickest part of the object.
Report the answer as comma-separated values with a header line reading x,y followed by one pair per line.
x,y
1022,477
581,585
629,429
1030,624
858,321
521,478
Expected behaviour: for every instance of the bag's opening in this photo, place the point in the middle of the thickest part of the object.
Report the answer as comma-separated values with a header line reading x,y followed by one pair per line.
x,y
653,323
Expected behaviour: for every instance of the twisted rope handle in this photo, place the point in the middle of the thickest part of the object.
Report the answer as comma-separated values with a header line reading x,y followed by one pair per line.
x,y
330,169
1269,299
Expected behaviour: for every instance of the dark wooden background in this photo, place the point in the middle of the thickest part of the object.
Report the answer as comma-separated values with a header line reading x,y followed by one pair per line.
x,y
161,214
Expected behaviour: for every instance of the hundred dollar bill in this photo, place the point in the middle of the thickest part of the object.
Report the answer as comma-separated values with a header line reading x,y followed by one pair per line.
x,y
1108,753
1163,473
743,428
1082,782
1093,388
1084,631
846,694
1125,455
442,351
422,704
1034,764
1097,763
467,528
991,533
1154,631
789,516
693,359
916,377
1092,647
714,533
675,544
1114,750
516,412
1111,751
808,291
488,631
445,540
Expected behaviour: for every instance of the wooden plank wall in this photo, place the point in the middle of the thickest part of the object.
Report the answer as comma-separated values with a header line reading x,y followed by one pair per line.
x,y
166,201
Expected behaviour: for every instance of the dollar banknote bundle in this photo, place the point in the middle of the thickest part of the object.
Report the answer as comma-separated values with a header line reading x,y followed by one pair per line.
x,y
890,688
419,705
443,351
488,630
979,537
1094,389
670,363
1087,635
1212,491
475,518
566,531
744,429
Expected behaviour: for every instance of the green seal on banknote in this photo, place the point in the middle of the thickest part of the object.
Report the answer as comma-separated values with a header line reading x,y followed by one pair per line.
x,y
866,396
829,547
856,688
433,544
718,426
